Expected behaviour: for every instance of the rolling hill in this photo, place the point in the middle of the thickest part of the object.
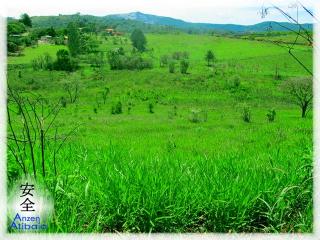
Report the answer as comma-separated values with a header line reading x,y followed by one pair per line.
x,y
153,23
167,21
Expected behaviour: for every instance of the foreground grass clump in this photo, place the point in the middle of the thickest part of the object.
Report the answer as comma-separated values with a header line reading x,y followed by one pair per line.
x,y
176,193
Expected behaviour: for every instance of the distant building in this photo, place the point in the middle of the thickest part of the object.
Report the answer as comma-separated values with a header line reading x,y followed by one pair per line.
x,y
110,31
15,35
113,32
46,40
65,40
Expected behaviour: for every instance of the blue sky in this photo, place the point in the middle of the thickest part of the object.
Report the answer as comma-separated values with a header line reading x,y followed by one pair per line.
x,y
210,11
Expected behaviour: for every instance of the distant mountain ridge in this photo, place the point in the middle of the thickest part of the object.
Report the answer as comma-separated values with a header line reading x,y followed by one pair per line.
x,y
147,22
168,21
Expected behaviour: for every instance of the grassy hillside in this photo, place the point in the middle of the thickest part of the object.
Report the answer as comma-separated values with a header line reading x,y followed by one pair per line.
x,y
189,163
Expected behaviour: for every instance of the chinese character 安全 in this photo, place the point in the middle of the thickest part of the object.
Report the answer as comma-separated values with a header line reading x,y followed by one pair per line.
x,y
27,204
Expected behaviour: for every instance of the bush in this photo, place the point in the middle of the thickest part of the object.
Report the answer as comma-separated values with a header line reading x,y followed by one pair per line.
x,y
151,106
64,62
184,65
180,55
44,62
271,115
164,59
246,114
12,47
172,66
96,59
130,105
236,81
27,41
118,60
117,108
63,102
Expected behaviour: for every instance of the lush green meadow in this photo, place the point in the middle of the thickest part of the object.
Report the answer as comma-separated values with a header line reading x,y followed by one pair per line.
x,y
189,163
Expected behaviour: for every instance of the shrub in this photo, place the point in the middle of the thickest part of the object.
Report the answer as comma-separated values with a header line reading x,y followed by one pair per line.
x,y
172,66
246,114
63,102
271,115
96,59
236,81
130,105
64,62
210,57
118,60
43,62
12,47
180,55
164,59
117,108
151,106
184,65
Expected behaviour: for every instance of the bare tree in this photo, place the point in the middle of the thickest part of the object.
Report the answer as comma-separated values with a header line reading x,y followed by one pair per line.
x,y
300,30
72,89
29,130
300,90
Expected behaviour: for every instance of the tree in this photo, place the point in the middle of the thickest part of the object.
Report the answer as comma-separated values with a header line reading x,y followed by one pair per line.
x,y
138,40
64,62
26,20
73,39
51,32
300,90
210,57
15,28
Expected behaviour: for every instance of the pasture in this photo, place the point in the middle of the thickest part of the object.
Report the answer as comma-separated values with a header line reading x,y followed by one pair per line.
x,y
179,157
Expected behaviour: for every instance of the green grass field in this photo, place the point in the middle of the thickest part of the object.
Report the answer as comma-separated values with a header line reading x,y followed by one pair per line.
x,y
193,165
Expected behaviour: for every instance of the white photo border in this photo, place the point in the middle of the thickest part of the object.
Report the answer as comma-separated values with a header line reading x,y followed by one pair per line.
x,y
183,236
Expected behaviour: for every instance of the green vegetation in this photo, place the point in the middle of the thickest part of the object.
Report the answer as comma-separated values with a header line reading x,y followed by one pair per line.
x,y
198,143
26,20
210,57
73,40
138,40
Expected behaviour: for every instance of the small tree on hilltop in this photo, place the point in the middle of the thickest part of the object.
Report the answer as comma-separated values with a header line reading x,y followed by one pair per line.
x,y
300,90
138,40
210,57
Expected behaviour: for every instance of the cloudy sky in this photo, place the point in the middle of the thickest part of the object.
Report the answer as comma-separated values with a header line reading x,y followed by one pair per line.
x,y
210,11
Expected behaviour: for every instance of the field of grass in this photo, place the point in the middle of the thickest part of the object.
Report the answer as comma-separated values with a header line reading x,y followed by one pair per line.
x,y
31,53
193,165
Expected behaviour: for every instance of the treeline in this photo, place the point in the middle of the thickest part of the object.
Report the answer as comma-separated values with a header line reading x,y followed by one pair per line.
x,y
22,33
99,23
